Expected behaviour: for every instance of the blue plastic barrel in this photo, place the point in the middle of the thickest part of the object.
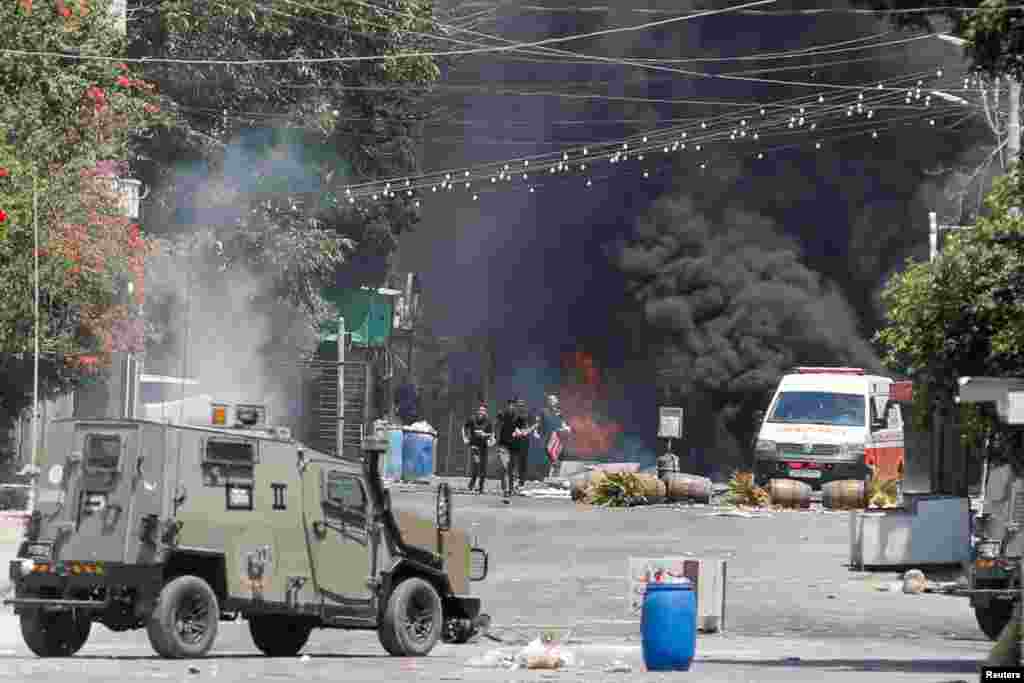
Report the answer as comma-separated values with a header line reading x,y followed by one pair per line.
x,y
668,626
417,455
393,465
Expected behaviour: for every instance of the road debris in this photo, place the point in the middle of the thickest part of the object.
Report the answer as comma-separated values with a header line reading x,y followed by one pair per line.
x,y
193,669
551,492
737,513
618,667
914,582
494,659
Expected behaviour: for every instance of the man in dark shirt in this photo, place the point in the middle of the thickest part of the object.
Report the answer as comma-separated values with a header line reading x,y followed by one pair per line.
x,y
508,420
477,433
524,428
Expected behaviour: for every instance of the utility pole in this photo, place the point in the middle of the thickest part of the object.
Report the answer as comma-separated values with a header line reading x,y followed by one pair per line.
x,y
490,369
1013,121
35,360
1012,142
341,387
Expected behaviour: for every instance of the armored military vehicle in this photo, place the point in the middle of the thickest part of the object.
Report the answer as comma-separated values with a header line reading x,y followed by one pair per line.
x,y
994,576
174,528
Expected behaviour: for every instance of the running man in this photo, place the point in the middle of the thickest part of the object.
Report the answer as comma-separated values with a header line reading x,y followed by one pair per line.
x,y
478,433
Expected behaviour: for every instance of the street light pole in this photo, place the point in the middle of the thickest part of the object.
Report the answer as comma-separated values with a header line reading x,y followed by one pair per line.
x,y
35,359
1013,118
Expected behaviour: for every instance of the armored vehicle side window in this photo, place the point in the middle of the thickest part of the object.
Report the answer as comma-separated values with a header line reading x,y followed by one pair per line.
x,y
228,461
102,453
345,494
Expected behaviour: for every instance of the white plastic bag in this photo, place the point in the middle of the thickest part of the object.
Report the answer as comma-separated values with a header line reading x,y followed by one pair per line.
x,y
495,659
537,655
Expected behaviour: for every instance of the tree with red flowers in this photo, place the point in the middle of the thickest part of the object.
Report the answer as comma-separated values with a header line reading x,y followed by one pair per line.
x,y
61,122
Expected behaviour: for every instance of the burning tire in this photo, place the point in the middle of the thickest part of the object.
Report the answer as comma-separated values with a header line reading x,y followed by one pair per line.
x,y
184,623
55,634
412,622
277,636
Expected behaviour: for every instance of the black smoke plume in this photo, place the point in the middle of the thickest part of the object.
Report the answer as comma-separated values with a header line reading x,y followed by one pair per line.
x,y
732,308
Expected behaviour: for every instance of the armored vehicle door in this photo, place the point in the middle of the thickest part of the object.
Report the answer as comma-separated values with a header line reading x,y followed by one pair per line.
x,y
92,489
337,513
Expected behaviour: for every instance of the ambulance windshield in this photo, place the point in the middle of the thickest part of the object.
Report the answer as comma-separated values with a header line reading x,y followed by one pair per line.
x,y
821,408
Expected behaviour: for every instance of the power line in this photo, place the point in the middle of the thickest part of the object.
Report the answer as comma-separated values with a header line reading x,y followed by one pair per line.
x,y
478,89
861,103
807,11
638,64
826,48
375,58
538,179
789,54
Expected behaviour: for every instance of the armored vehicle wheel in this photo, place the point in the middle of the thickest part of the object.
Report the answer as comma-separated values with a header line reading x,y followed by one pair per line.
x,y
278,636
184,623
412,622
55,634
993,618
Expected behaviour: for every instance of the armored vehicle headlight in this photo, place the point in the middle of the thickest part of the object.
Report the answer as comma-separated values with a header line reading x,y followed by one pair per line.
x,y
478,564
38,550
26,567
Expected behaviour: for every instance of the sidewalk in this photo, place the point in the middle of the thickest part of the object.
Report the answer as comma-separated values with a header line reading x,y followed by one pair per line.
x,y
10,535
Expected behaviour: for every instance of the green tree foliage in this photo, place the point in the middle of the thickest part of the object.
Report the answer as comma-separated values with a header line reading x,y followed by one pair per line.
x,y
962,314
276,144
63,125
993,31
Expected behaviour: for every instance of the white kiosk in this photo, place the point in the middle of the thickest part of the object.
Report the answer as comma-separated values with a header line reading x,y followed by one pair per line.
x,y
932,526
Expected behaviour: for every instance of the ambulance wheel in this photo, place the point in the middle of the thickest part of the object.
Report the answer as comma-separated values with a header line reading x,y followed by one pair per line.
x,y
184,623
412,622
55,634
277,636
994,617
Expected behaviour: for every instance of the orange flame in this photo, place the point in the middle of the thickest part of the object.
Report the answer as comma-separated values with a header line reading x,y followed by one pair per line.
x,y
579,394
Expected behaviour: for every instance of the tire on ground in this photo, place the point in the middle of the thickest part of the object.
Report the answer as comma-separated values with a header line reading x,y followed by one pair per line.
x,y
184,623
412,622
994,617
55,634
279,636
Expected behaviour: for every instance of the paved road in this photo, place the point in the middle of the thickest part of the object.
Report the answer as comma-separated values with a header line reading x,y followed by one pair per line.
x,y
795,612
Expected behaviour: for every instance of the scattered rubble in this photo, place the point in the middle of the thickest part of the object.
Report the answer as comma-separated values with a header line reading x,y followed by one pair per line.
x,y
548,492
494,659
618,667
735,512
914,582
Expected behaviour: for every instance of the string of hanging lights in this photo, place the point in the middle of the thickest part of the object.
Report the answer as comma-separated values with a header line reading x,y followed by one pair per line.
x,y
806,116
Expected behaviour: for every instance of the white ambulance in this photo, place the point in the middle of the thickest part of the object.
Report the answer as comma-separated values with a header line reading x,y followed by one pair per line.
x,y
825,424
